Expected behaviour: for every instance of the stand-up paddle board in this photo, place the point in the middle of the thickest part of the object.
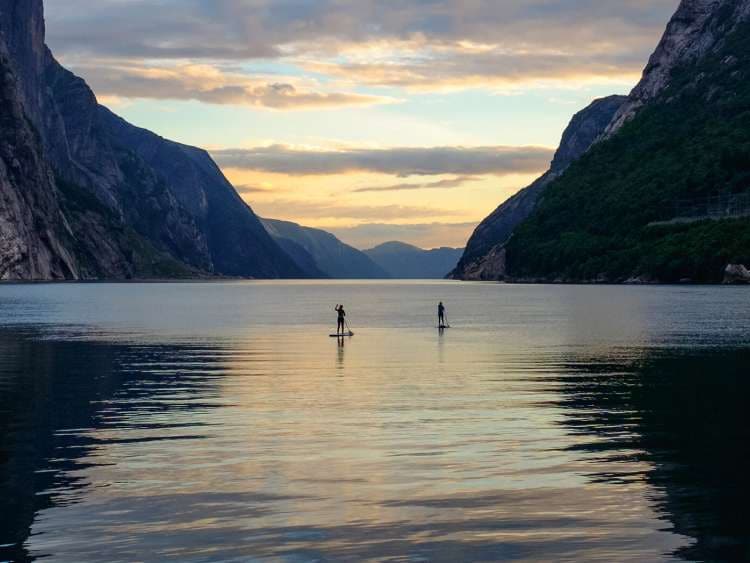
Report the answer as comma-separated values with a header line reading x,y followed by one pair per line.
x,y
442,327
342,335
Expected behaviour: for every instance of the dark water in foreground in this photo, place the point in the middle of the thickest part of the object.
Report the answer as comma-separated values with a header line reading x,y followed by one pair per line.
x,y
218,422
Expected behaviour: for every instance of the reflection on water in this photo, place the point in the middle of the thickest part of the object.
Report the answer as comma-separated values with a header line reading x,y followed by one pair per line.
x,y
685,415
204,422
64,406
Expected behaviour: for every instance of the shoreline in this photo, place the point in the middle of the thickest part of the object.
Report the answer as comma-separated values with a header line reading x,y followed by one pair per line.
x,y
157,281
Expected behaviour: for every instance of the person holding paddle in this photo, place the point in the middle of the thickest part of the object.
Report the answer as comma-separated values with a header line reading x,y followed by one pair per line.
x,y
342,319
441,315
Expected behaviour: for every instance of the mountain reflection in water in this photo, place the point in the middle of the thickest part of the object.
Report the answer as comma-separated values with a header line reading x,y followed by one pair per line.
x,y
685,414
53,394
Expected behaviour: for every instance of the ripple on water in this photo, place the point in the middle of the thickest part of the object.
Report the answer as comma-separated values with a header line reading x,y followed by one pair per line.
x,y
223,423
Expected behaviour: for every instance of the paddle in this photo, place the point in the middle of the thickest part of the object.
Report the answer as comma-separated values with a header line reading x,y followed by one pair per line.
x,y
343,334
447,322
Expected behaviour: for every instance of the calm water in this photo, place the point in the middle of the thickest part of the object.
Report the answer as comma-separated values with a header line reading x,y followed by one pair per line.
x,y
219,422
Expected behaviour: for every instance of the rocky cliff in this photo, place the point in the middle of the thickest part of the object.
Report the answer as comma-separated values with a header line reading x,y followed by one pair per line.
x,y
133,204
484,257
697,28
33,232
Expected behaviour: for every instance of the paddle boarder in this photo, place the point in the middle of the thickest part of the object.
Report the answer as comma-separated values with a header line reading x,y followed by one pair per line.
x,y
341,320
441,315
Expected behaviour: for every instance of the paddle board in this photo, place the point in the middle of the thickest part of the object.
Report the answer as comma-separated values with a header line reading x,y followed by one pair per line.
x,y
342,335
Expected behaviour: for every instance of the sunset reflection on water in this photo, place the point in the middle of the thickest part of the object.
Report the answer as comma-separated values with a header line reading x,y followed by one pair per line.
x,y
225,424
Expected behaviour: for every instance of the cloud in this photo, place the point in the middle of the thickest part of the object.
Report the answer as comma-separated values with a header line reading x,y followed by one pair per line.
x,y
438,185
299,210
424,44
424,235
498,68
245,29
249,189
211,85
403,162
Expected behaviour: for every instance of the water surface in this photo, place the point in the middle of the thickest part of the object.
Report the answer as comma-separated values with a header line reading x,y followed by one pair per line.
x,y
219,422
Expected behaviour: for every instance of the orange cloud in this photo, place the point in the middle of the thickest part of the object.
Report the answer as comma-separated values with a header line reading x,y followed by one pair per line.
x,y
316,211
461,66
446,184
212,85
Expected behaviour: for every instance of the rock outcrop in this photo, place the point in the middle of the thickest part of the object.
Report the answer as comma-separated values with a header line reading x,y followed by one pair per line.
x,y
736,274
697,27
489,267
483,257
133,204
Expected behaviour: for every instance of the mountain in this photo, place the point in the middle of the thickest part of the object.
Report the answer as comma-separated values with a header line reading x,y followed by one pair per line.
x,y
484,258
28,195
304,260
100,198
681,138
404,261
320,254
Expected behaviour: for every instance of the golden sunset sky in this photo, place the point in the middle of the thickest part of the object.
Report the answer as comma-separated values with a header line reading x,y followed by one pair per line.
x,y
374,119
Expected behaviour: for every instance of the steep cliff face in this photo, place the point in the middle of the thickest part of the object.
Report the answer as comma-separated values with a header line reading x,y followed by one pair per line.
x,y
683,134
33,231
584,129
50,229
137,205
236,241
484,257
697,28
22,27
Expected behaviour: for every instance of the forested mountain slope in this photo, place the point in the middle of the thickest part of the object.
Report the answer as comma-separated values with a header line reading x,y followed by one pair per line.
x,y
684,133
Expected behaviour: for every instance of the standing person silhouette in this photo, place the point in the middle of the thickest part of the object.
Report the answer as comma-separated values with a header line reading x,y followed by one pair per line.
x,y
341,320
441,315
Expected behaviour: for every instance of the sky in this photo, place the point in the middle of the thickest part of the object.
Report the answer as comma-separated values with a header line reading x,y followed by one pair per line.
x,y
376,120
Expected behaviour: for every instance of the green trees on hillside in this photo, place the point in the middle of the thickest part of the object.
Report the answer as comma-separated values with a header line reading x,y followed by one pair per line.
x,y
594,222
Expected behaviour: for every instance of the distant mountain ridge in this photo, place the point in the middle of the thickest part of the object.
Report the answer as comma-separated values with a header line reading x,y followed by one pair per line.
x,y
405,261
321,254
99,198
